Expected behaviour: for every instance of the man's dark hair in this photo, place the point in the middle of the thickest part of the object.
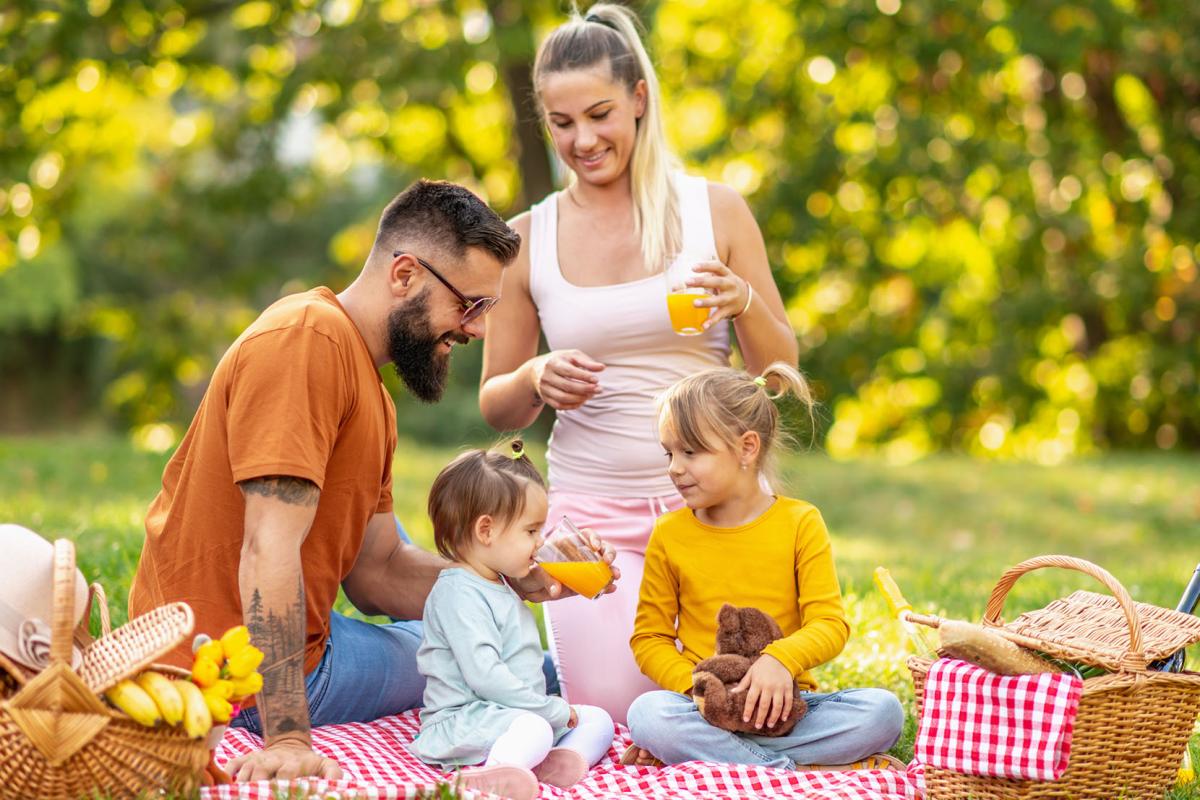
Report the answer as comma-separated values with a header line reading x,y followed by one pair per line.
x,y
448,218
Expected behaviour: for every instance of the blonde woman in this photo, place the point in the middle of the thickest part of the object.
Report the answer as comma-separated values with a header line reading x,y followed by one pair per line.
x,y
589,277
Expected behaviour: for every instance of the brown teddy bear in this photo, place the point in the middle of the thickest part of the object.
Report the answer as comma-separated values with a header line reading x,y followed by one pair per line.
x,y
742,633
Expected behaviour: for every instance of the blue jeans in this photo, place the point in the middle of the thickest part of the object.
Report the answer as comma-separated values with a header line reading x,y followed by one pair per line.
x,y
839,728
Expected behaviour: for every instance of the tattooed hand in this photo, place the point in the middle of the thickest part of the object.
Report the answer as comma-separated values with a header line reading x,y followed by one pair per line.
x,y
284,760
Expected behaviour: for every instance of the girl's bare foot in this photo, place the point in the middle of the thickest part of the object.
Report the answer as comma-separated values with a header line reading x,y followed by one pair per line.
x,y
635,756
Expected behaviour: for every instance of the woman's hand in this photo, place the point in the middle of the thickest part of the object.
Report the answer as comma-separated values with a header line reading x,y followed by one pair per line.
x,y
538,586
769,687
727,292
566,379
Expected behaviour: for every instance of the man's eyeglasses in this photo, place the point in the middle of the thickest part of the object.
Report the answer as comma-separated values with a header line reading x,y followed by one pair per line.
x,y
472,309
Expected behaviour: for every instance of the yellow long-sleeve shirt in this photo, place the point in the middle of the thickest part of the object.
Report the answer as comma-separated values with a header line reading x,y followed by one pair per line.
x,y
781,563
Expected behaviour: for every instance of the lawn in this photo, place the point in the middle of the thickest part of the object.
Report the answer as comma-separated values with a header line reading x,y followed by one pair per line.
x,y
946,527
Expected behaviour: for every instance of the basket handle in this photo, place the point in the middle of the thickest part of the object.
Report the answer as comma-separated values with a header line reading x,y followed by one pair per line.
x,y
1135,659
63,624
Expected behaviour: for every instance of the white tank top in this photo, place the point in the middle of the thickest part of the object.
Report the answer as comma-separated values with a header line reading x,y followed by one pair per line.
x,y
610,446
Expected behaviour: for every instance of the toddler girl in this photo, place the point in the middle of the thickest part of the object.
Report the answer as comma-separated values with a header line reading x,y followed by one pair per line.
x,y
737,542
485,693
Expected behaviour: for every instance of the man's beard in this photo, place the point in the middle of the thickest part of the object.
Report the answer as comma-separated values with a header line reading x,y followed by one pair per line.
x,y
413,348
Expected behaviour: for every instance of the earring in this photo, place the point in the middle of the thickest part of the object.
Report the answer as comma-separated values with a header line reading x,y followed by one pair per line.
x,y
744,466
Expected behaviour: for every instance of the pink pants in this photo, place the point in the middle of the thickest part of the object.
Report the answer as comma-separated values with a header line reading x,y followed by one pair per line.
x,y
589,639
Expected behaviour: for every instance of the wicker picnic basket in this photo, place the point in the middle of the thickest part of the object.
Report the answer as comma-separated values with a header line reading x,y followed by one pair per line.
x,y
58,739
1133,723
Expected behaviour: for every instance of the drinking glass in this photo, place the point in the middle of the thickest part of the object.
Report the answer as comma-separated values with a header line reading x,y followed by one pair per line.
x,y
686,318
567,557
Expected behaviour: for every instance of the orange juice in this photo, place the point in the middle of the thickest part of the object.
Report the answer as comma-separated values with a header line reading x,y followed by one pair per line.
x,y
686,319
588,578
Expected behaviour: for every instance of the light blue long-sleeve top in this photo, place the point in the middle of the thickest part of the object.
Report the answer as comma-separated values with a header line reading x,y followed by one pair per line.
x,y
482,662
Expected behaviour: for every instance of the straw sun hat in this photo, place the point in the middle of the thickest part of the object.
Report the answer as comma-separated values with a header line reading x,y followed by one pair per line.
x,y
26,597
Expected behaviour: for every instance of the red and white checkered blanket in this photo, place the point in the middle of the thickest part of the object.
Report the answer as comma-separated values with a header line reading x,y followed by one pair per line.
x,y
378,765
976,722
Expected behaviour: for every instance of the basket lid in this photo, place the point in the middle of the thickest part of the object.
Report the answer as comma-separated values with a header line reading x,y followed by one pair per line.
x,y
135,645
1092,629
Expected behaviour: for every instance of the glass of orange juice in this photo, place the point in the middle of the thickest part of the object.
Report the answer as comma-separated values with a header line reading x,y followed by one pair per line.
x,y
686,318
567,557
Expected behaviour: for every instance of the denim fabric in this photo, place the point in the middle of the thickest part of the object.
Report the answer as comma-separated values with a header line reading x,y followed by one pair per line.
x,y
838,728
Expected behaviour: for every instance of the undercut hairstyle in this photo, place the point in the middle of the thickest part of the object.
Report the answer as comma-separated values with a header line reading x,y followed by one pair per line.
x,y
711,410
447,218
477,483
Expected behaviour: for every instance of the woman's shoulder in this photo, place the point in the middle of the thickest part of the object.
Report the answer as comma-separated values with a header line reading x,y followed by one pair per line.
x,y
724,199
522,223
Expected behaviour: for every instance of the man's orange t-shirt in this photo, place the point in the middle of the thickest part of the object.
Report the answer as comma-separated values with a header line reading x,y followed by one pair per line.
x,y
297,394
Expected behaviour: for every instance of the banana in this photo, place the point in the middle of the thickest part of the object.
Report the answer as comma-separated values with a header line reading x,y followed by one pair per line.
x,y
249,685
205,671
235,640
164,694
220,708
244,662
133,700
197,719
214,651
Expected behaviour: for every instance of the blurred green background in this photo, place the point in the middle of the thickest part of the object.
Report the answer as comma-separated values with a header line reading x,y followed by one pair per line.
x,y
983,216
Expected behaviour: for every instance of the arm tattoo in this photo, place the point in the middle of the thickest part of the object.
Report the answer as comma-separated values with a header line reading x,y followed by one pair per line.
x,y
295,491
283,704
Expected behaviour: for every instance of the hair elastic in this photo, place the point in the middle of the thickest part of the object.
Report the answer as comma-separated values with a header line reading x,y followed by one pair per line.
x,y
593,18
760,381
518,450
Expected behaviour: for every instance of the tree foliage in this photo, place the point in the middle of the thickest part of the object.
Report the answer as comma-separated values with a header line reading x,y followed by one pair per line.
x,y
983,217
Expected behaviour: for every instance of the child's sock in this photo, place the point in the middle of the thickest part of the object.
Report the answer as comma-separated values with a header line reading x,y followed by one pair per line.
x,y
581,747
563,767
515,783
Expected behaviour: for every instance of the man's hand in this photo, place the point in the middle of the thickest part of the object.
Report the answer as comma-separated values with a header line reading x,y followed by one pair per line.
x,y
284,759
768,686
538,587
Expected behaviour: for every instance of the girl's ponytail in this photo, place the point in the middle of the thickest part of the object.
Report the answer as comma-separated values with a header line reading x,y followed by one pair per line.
x,y
714,408
785,379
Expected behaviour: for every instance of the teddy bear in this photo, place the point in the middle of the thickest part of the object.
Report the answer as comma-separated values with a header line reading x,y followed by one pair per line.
x,y
742,633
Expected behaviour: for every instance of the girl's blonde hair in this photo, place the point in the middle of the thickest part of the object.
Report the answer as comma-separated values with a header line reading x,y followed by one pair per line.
x,y
609,32
479,482
714,408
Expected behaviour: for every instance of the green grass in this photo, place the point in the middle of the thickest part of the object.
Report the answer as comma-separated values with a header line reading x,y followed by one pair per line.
x,y
947,527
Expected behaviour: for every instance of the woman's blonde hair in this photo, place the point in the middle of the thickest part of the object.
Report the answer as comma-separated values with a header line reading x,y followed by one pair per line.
x,y
479,482
609,32
713,409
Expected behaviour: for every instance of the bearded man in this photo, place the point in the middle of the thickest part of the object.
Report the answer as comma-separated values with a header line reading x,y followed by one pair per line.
x,y
281,491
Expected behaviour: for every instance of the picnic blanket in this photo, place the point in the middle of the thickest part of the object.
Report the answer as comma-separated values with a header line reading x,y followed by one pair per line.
x,y
378,765
976,722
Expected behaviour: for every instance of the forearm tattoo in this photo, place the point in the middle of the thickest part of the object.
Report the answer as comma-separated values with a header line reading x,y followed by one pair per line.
x,y
279,633
294,491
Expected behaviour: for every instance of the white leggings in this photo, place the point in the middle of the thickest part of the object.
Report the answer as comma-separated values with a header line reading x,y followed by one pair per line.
x,y
529,738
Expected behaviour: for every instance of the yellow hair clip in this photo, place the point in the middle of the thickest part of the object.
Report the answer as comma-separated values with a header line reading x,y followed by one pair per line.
x,y
760,381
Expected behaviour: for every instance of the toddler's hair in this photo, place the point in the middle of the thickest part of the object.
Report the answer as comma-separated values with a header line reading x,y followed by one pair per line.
x,y
479,482
715,407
